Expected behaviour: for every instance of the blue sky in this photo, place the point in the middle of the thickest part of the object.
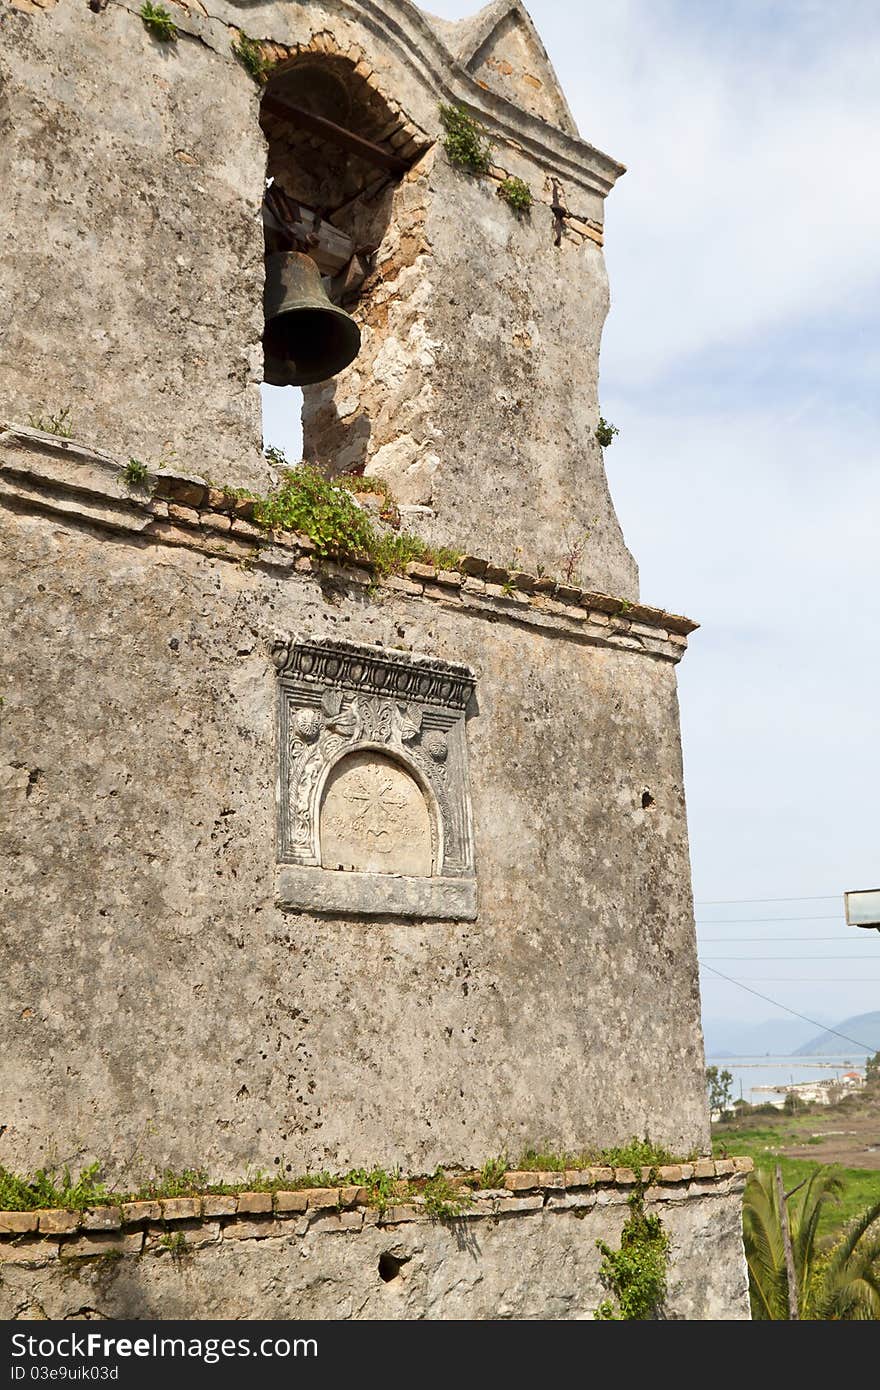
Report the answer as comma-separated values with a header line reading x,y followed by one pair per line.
x,y
741,362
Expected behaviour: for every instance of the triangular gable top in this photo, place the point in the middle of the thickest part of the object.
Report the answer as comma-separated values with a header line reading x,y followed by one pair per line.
x,y
501,50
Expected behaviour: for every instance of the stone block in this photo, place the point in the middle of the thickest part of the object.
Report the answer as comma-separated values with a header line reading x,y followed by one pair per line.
x,y
567,593
216,521
744,1165
523,581
450,578
578,1177
508,1205
101,1219
322,1197
254,1203
568,1201
522,1182
17,1222
334,1222
183,516
624,1176
199,1233
704,1168
219,1204
133,1212
471,565
240,527
185,492
417,571
181,1208
28,1250
670,1172
103,1243
56,1222
724,1167
602,1174
496,574
290,1202
253,1228
395,1216
349,1196
401,586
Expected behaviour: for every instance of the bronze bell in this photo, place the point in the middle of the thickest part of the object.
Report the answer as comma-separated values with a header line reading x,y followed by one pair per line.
x,y
306,338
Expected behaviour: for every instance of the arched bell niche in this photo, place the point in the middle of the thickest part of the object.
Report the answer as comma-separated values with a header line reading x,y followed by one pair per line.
x,y
374,818
334,160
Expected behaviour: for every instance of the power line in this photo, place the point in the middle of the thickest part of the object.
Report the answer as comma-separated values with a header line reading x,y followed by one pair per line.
x,y
727,902
740,921
776,1004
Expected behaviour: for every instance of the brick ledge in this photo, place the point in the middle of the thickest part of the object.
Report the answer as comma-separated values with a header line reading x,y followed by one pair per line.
x,y
47,473
522,1191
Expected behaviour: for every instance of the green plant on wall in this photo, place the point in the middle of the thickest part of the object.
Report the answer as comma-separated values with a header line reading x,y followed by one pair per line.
x,y
635,1275
249,53
135,473
159,22
53,424
464,140
308,502
605,432
516,193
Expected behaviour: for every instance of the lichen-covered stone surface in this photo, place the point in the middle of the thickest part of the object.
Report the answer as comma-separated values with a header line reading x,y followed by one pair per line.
x,y
162,1010
538,1263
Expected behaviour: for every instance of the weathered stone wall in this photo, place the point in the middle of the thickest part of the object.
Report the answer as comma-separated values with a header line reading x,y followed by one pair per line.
x,y
160,1009
134,268
320,1254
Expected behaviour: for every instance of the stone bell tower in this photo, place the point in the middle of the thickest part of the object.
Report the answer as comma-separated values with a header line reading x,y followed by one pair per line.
x,y
311,867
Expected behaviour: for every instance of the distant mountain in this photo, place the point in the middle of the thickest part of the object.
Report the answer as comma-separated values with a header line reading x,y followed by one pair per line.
x,y
865,1028
727,1037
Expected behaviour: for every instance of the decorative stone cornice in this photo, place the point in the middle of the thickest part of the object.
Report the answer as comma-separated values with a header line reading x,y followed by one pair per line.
x,y
45,474
398,674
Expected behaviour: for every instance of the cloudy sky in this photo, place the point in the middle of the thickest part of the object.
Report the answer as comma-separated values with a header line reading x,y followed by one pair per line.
x,y
741,362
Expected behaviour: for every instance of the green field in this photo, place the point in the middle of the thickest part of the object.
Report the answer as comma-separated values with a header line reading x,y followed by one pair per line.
x,y
767,1143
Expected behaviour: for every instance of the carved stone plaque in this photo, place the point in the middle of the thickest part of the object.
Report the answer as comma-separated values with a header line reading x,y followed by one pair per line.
x,y
374,813
374,818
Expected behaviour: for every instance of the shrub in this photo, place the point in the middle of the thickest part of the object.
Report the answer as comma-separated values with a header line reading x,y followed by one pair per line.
x,y
464,140
516,193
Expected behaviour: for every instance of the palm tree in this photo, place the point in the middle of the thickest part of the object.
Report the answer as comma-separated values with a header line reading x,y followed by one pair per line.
x,y
840,1282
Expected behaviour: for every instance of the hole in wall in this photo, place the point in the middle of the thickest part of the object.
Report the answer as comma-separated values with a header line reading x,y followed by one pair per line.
x,y
390,1266
647,800
282,420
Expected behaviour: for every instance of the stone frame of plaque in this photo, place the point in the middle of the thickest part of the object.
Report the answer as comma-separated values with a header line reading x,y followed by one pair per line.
x,y
341,706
